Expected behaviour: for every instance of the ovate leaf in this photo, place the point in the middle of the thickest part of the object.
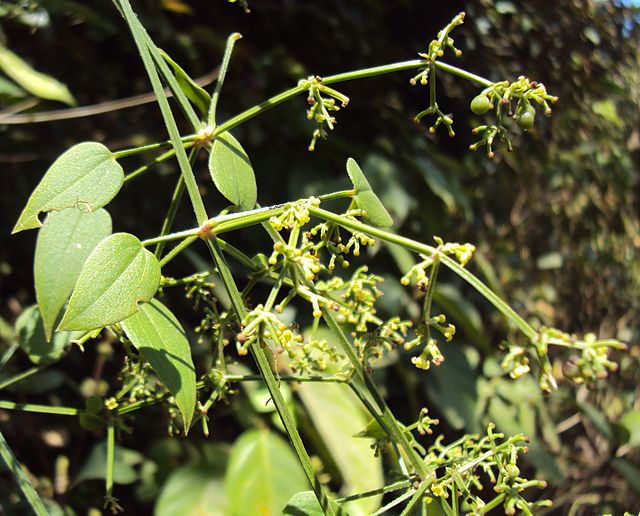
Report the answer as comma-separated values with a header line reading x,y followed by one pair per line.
x,y
63,246
364,197
158,335
36,83
338,416
193,489
86,176
197,95
118,274
32,340
232,172
262,475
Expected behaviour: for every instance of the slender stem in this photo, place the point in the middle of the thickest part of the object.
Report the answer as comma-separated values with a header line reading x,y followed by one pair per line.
x,y
270,380
8,354
111,451
21,376
286,378
22,479
385,509
163,103
231,41
171,214
463,74
41,409
337,195
402,484
418,247
416,498
222,224
177,250
173,206
125,153
373,71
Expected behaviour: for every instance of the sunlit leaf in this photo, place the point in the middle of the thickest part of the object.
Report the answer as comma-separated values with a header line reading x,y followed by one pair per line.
x,y
197,95
36,83
118,274
232,172
63,245
338,416
365,199
86,176
158,335
263,474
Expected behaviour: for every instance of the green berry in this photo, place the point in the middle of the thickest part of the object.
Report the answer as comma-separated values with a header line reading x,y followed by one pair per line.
x,y
480,104
526,118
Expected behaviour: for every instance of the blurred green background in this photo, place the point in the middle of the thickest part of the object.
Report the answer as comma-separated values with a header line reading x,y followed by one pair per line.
x,y
556,222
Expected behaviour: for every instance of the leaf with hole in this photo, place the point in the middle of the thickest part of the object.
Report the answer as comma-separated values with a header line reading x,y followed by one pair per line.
x,y
161,340
263,474
197,95
86,176
232,172
117,275
36,83
365,199
63,245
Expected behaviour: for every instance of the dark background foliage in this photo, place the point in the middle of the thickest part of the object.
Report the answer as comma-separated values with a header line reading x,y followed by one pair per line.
x,y
556,222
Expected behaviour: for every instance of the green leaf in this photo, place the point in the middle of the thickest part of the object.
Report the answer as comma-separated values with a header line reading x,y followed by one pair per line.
x,y
86,176
11,90
197,95
36,83
365,199
193,489
631,423
117,275
338,416
232,172
263,474
63,245
306,504
158,335
32,339
95,466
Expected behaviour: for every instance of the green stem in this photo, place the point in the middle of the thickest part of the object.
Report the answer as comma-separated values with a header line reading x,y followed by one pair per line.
x,y
270,380
111,450
463,74
222,73
41,409
173,206
402,484
418,247
163,103
22,479
416,498
177,250
21,376
222,224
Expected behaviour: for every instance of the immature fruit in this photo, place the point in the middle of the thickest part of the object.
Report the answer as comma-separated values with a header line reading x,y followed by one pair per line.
x,y
512,470
480,104
526,118
94,404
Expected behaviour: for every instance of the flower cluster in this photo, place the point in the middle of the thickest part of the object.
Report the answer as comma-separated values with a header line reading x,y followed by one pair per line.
x,y
295,215
306,258
470,460
322,101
